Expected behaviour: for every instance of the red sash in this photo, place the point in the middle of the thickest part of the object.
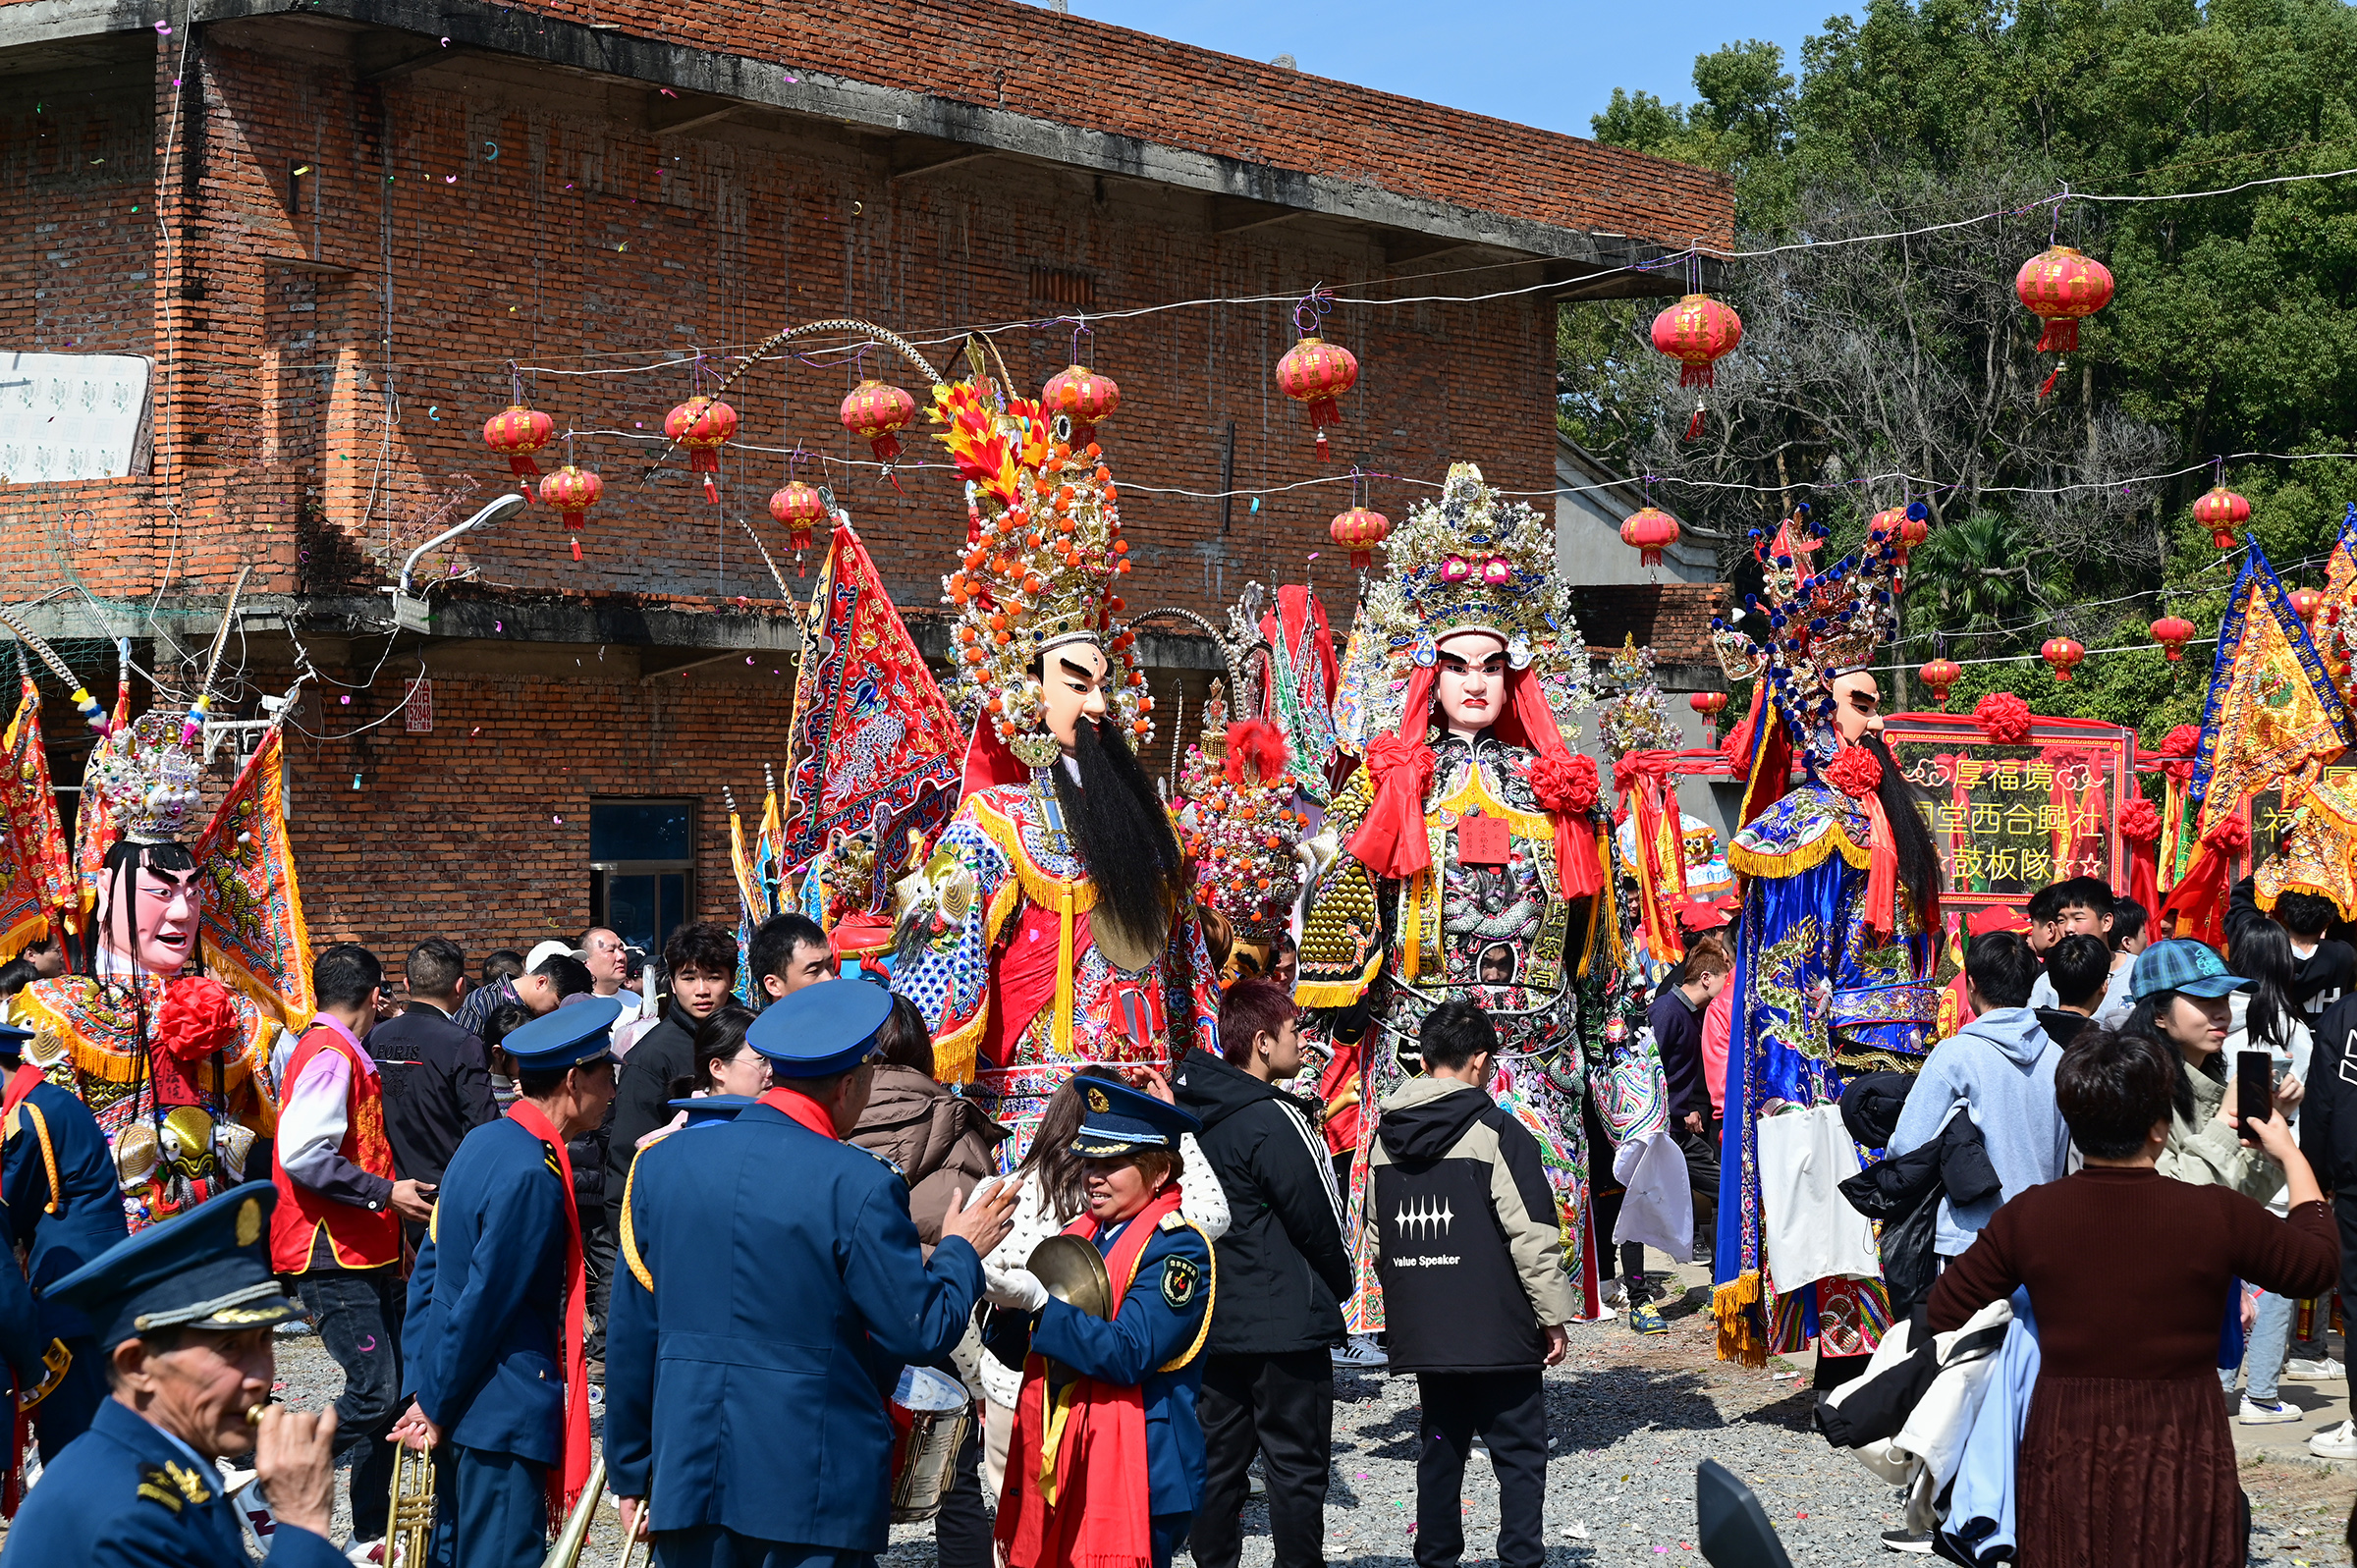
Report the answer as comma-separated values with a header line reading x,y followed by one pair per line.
x,y
572,1471
1089,1510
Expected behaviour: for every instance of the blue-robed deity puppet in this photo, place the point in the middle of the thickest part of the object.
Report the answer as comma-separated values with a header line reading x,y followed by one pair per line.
x,y
1834,949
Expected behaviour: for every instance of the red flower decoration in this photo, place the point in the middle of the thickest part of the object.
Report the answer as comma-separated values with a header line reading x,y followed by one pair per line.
x,y
2003,717
1855,772
2182,741
2140,821
1389,753
1564,783
196,1019
2229,837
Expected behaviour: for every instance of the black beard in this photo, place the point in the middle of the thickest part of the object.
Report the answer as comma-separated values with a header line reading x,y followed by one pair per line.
x,y
1918,859
1122,835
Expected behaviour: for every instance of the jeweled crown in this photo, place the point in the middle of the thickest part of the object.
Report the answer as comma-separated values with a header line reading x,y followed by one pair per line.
x,y
1819,624
148,776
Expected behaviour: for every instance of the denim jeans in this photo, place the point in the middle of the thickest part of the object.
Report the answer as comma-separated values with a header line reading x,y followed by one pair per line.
x,y
359,1312
2271,1343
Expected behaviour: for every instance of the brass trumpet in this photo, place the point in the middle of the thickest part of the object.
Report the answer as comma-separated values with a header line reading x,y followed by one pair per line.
x,y
567,1552
410,1528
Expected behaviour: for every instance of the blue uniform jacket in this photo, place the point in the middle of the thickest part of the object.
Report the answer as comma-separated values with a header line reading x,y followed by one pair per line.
x,y
124,1496
768,1289
88,1202
483,1334
1156,1339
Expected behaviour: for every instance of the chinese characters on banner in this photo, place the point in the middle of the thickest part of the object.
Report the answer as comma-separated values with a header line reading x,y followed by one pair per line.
x,y
2008,819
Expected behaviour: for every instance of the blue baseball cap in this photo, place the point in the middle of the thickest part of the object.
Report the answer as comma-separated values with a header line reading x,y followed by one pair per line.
x,y
822,1029
569,1037
207,1269
1117,1120
2182,964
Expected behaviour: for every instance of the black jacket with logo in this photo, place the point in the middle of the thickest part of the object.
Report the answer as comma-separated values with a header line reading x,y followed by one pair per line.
x,y
1466,1239
1283,1270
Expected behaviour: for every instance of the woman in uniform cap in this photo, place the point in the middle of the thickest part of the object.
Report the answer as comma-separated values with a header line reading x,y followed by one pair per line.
x,y
1106,1464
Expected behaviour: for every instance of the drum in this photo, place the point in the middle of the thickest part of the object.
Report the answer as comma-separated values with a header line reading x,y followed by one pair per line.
x,y
929,1411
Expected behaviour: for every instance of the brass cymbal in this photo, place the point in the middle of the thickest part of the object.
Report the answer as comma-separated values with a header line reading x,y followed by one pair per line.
x,y
1074,1271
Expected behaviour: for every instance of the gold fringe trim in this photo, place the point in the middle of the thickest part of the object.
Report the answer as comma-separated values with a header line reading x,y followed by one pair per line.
x,y
1337,993
1038,886
1755,863
1732,1304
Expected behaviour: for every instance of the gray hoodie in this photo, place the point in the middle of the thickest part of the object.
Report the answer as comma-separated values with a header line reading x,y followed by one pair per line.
x,y
2000,1068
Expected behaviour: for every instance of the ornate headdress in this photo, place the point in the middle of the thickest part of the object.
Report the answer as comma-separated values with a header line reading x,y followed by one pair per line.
x,y
147,776
1043,546
1819,624
1474,561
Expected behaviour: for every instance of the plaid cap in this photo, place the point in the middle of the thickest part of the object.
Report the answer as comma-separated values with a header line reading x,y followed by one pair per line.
x,y
2180,964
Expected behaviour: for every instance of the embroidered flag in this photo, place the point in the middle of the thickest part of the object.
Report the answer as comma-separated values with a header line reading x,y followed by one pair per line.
x,y
252,928
872,747
2272,711
43,867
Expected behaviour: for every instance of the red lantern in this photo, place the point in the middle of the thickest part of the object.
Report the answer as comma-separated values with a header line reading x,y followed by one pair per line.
x,y
516,435
1087,399
1359,530
572,491
1710,704
1695,332
1316,372
1938,675
2172,633
703,425
2221,511
1649,532
2061,654
875,411
2059,287
2304,603
797,506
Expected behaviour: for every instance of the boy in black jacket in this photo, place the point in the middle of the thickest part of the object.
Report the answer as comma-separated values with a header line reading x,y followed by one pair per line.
x,y
1268,1380
1475,1297
2328,1138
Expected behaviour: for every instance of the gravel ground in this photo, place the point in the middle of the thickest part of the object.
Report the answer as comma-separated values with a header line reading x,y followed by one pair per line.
x,y
1630,1416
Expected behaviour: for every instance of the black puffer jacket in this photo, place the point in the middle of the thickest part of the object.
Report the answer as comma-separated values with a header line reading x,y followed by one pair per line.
x,y
1283,1270
1903,1192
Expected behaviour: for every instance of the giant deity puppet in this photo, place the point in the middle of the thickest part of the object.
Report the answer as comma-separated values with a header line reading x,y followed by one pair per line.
x,y
1835,953
1463,862
176,1064
1052,925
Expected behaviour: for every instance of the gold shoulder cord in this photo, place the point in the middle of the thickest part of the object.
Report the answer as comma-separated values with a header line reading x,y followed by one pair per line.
x,y
630,1238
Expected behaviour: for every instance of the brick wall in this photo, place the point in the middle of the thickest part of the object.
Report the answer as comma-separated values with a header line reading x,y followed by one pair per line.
x,y
333,341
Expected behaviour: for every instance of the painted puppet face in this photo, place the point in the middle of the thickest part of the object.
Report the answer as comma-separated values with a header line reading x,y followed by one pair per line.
x,y
1072,688
1470,681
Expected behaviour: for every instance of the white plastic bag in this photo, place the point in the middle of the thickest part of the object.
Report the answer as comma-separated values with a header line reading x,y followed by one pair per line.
x,y
1808,1232
1659,1210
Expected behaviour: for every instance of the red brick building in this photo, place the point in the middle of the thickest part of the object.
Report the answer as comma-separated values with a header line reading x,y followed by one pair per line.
x,y
335,226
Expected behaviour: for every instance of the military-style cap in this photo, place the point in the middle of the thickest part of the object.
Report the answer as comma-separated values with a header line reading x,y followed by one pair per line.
x,y
12,1041
570,1036
822,1029
705,1111
208,1269
1121,1120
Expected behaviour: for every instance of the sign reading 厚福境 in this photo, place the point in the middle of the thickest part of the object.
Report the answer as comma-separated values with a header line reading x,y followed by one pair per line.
x,y
2010,816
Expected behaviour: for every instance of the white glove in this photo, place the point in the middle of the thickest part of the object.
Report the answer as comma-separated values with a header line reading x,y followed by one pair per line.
x,y
1016,1289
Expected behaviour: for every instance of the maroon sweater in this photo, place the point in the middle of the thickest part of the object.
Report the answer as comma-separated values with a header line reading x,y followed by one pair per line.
x,y
2127,1269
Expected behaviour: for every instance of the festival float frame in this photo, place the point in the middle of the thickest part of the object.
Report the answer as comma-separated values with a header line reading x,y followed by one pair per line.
x,y
2008,817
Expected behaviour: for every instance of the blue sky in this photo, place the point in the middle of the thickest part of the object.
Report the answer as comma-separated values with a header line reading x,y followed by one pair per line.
x,y
1547,63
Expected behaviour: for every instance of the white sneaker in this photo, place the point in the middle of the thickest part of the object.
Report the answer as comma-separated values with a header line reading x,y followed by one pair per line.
x,y
1361,1352
2336,1442
2300,1369
2254,1414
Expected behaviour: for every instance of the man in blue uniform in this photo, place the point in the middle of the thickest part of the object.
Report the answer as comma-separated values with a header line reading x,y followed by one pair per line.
x,y
1106,1463
771,1281
65,1208
186,1312
494,1322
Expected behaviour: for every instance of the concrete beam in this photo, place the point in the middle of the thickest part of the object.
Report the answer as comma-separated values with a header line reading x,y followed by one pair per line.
x,y
842,100
667,117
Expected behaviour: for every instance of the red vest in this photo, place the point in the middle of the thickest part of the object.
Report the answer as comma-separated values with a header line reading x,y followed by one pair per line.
x,y
361,1239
